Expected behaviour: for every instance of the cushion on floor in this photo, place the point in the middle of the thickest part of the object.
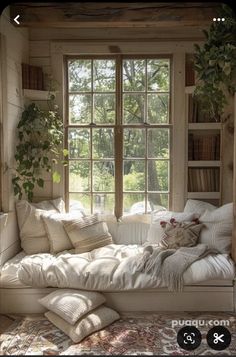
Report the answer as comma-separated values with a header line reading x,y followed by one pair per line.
x,y
91,322
71,304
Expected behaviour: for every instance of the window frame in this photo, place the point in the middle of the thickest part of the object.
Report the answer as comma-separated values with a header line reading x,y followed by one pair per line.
x,y
119,126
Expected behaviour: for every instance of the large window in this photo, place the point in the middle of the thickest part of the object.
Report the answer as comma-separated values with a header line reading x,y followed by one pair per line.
x,y
118,134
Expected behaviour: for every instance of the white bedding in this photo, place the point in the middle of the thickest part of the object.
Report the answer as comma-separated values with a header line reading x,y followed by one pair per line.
x,y
107,269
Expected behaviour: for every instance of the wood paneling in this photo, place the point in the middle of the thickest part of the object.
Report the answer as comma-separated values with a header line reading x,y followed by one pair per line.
x,y
109,14
121,34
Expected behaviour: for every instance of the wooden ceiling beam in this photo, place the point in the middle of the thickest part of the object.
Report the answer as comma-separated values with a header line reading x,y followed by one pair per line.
x,y
111,14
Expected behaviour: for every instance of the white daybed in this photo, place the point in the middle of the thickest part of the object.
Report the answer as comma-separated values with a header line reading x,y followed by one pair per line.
x,y
208,283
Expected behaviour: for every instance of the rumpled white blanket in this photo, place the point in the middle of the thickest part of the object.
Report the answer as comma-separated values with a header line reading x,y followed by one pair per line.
x,y
112,268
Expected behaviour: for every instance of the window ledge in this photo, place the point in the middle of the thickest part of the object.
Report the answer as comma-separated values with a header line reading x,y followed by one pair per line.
x,y
3,215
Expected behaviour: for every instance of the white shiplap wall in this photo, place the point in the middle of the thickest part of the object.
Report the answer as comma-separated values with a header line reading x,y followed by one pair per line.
x,y
14,51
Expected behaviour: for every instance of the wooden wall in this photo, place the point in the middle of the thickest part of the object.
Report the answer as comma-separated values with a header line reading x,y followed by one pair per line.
x,y
14,51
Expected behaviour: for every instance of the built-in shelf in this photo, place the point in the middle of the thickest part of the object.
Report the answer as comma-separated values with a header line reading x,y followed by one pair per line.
x,y
204,126
34,94
204,163
189,89
204,195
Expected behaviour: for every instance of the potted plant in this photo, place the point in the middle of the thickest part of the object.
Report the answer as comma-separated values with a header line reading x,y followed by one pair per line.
x,y
39,147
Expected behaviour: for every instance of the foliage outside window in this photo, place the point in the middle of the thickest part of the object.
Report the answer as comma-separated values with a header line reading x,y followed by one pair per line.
x,y
118,133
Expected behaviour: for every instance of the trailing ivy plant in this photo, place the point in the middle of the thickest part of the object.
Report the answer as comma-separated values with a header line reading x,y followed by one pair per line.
x,y
215,64
39,147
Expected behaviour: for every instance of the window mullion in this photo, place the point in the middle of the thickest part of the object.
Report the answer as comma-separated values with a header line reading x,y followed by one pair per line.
x,y
118,142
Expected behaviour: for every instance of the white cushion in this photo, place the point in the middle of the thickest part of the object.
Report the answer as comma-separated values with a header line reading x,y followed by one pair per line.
x,y
178,216
217,228
87,233
57,236
156,232
71,304
132,233
198,206
92,322
32,231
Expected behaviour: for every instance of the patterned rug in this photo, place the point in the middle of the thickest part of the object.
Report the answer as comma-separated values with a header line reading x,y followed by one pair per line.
x,y
133,334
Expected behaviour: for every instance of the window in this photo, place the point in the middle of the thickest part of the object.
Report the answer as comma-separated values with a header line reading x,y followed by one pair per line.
x,y
118,133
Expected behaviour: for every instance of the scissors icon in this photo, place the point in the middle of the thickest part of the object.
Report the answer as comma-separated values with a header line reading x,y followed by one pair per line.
x,y
218,338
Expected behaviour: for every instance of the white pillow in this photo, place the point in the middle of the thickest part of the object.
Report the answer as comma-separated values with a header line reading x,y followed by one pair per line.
x,y
57,236
217,228
87,233
131,233
156,232
92,322
178,216
71,304
198,206
32,231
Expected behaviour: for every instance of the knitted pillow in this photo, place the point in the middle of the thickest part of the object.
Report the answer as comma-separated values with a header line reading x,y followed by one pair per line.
x,y
178,234
87,233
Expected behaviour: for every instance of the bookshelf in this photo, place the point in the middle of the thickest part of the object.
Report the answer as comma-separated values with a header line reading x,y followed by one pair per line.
x,y
203,152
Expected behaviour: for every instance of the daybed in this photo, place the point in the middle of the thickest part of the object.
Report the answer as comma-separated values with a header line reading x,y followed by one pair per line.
x,y
208,282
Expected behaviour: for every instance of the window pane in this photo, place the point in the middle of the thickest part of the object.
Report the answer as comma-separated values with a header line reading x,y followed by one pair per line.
x,y
79,176
158,143
103,203
133,108
80,201
104,108
134,175
80,109
158,75
79,143
133,203
158,175
158,200
104,75
158,108
134,75
103,176
134,143
103,143
79,75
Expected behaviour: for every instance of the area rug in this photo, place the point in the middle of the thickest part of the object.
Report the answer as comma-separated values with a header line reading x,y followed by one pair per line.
x,y
133,334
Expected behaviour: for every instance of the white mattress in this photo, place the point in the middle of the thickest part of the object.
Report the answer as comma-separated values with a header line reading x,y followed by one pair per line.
x,y
220,270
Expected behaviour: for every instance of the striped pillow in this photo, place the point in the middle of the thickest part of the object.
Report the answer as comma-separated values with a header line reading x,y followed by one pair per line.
x,y
87,233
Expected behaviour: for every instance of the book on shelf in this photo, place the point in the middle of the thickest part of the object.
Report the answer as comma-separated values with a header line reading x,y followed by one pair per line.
x,y
203,147
32,77
203,179
196,113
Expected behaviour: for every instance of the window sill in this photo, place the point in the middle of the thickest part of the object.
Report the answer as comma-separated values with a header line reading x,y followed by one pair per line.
x,y
3,215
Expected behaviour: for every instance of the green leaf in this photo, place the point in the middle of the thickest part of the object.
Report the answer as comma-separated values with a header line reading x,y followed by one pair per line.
x,y
65,152
56,177
40,182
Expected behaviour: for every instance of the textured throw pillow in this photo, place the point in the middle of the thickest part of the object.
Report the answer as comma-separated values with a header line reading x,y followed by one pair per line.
x,y
57,236
178,235
217,229
91,322
32,231
71,304
156,233
87,233
198,206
